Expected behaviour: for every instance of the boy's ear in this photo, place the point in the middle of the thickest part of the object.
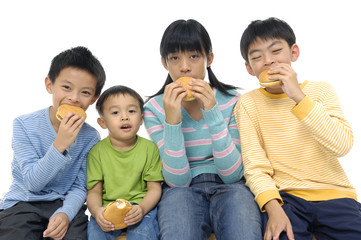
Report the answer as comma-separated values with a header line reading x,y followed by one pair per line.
x,y
48,85
164,64
249,69
141,120
295,52
101,123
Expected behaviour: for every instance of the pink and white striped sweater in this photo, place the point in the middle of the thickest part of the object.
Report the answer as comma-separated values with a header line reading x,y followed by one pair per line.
x,y
190,148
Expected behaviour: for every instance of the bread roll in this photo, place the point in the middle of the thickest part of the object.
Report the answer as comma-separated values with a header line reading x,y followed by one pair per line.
x,y
66,108
185,83
115,212
265,81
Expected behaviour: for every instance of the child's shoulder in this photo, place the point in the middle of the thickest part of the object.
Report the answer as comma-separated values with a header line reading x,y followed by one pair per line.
x,y
227,100
144,141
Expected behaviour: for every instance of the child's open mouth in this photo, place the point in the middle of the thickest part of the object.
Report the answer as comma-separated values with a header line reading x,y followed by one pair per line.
x,y
126,127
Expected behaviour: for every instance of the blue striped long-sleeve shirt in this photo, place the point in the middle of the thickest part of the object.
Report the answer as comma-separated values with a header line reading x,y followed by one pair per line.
x,y
190,148
40,172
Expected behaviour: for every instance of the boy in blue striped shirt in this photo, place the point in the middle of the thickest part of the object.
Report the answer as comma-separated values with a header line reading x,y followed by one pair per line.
x,y
47,195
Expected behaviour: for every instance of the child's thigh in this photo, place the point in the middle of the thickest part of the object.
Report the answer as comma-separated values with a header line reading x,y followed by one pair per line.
x,y
19,222
96,233
338,219
234,212
78,226
146,229
299,212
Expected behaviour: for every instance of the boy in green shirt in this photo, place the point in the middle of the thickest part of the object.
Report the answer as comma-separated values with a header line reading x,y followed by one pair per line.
x,y
123,165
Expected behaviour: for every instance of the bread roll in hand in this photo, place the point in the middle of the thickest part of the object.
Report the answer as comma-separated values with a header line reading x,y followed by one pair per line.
x,y
116,211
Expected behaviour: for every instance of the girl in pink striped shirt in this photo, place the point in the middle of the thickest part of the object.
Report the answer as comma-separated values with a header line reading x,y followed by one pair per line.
x,y
204,189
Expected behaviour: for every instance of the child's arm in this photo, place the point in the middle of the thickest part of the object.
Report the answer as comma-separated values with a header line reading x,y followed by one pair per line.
x,y
170,142
37,171
149,201
225,142
68,131
278,221
94,202
323,109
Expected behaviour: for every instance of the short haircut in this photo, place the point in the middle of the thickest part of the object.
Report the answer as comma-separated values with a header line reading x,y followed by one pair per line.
x,y
81,58
271,28
116,90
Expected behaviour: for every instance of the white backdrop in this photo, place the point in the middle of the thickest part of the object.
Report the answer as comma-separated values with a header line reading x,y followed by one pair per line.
x,y
125,36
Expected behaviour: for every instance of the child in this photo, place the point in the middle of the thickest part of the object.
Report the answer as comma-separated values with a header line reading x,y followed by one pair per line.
x,y
49,179
199,145
123,165
291,136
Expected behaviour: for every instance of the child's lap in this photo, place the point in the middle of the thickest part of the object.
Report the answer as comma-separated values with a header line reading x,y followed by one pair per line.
x,y
332,219
28,220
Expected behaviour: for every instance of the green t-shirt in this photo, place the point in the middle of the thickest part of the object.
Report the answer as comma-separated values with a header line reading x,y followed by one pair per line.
x,y
124,173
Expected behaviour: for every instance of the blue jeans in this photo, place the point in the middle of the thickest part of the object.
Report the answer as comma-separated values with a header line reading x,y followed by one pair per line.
x,y
208,205
147,229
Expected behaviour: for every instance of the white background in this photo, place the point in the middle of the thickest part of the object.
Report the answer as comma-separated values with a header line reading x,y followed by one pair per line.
x,y
125,36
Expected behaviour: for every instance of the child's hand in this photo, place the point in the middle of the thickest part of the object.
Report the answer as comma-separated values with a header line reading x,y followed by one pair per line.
x,y
203,91
104,224
68,131
290,84
278,222
172,99
135,215
57,226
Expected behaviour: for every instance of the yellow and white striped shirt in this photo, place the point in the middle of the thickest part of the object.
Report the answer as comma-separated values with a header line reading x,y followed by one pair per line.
x,y
294,148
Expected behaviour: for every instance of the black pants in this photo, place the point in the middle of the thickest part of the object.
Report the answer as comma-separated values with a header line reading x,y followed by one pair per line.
x,y
28,220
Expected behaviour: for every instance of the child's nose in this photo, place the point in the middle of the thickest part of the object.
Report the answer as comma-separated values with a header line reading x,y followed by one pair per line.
x,y
74,97
125,117
269,60
185,66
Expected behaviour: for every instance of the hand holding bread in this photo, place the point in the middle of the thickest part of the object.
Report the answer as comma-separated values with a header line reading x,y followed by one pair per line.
x,y
116,211
185,84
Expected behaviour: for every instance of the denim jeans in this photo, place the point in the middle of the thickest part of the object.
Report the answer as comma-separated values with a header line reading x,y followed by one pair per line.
x,y
147,229
208,205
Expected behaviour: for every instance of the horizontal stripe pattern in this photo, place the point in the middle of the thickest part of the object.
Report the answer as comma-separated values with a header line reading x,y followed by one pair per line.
x,y
40,172
190,148
288,147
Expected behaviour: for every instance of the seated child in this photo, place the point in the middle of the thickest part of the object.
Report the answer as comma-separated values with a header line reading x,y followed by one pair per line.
x,y
47,195
292,135
123,165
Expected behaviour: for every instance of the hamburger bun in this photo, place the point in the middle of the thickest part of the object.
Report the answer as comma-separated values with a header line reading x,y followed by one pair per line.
x,y
115,212
66,108
185,83
265,81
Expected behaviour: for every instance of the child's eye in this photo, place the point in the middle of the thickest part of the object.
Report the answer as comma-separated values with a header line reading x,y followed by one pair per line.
x,y
277,50
66,87
194,56
132,111
255,58
115,113
173,58
86,93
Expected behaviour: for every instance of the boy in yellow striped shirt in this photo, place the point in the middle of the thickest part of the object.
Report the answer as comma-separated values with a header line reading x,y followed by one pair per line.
x,y
291,136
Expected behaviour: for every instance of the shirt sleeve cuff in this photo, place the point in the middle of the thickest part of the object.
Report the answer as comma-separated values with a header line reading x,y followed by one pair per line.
x,y
266,196
302,109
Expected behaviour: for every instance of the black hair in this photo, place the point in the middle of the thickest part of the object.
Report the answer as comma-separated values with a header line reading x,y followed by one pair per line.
x,y
270,28
116,90
188,35
78,57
